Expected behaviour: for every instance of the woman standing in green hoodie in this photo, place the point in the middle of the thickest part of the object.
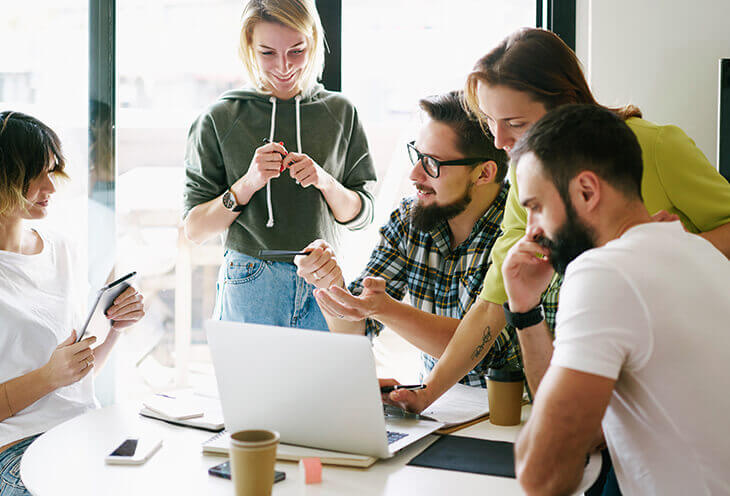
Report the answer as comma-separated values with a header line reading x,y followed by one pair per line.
x,y
275,166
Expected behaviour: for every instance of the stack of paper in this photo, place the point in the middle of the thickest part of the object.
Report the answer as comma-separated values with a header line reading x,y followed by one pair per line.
x,y
458,406
185,409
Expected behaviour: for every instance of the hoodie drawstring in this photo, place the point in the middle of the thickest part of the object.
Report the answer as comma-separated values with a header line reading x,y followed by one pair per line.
x,y
270,222
297,99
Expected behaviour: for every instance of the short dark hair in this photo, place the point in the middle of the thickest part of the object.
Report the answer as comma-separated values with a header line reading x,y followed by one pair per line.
x,y
27,146
448,108
574,138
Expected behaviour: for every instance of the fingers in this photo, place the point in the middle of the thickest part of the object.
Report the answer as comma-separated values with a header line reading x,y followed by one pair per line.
x,y
127,305
407,400
386,382
325,306
374,284
320,267
84,343
342,304
129,295
272,148
68,341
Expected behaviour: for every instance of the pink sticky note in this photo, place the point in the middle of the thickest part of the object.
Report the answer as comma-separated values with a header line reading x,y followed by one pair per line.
x,y
311,470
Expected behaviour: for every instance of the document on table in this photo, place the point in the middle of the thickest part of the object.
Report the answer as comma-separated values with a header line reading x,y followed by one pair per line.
x,y
459,405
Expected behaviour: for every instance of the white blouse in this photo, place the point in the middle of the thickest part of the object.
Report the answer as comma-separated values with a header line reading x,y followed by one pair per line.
x,y
42,299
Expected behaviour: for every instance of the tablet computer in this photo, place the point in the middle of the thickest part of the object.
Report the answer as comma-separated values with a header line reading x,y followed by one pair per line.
x,y
105,298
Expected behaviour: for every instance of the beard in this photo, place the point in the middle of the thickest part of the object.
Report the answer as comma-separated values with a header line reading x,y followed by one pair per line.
x,y
573,238
427,217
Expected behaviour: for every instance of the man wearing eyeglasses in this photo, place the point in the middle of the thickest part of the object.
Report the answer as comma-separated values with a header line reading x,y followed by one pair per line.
x,y
435,246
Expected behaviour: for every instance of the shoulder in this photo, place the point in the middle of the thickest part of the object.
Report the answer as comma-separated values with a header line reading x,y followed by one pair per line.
x,y
334,103
651,135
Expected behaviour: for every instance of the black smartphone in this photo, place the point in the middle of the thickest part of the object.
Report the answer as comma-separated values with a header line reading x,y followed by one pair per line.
x,y
224,470
105,298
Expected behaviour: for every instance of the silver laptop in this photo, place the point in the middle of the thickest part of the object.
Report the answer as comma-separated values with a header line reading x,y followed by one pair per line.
x,y
316,389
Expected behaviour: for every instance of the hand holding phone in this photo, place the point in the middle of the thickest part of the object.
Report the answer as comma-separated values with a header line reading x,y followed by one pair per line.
x,y
134,451
105,298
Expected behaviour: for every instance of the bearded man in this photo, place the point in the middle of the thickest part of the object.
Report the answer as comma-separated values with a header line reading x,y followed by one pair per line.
x,y
435,247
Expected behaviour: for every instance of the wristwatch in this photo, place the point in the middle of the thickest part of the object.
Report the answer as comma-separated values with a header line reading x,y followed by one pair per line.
x,y
230,201
525,319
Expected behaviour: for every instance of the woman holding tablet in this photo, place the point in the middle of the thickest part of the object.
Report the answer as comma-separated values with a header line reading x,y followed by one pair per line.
x,y
44,373
276,165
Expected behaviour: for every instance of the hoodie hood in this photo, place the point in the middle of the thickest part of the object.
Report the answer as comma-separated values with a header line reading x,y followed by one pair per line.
x,y
249,93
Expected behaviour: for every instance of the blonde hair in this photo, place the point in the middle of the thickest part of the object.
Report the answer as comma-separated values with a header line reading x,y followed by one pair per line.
x,y
300,15
27,147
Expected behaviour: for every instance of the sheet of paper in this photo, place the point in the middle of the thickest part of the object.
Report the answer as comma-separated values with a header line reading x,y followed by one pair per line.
x,y
459,405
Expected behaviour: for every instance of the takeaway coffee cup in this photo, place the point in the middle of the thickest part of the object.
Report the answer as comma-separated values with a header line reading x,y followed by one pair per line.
x,y
253,456
504,388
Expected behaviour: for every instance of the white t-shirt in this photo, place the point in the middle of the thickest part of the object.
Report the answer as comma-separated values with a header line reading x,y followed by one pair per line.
x,y
41,302
651,309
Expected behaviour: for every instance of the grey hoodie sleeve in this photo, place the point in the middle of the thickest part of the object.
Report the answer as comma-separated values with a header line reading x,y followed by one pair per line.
x,y
359,174
205,175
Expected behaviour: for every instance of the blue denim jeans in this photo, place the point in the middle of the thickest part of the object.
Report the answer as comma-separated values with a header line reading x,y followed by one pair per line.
x,y
262,292
10,483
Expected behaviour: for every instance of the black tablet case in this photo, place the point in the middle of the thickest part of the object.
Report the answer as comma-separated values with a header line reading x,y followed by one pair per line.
x,y
467,454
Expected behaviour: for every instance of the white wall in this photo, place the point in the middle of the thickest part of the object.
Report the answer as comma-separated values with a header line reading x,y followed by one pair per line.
x,y
661,55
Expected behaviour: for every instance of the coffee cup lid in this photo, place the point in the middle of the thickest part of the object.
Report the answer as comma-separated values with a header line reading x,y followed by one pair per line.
x,y
505,375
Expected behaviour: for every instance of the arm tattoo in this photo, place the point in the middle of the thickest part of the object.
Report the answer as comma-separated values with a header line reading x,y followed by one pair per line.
x,y
480,347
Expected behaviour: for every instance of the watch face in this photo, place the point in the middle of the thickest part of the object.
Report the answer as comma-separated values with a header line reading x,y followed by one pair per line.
x,y
228,200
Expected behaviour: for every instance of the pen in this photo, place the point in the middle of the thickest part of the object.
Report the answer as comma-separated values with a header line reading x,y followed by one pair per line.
x,y
281,253
410,387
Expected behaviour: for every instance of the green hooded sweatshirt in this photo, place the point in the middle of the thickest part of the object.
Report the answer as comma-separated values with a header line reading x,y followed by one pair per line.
x,y
222,142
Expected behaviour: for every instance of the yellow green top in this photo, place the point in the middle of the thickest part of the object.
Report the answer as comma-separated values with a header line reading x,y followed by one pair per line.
x,y
677,178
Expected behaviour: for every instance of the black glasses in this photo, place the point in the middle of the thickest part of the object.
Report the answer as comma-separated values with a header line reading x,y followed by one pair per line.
x,y
432,166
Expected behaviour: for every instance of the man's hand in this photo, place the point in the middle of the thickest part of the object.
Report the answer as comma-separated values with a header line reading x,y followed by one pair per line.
x,y
410,401
127,310
527,273
320,267
306,171
69,362
340,302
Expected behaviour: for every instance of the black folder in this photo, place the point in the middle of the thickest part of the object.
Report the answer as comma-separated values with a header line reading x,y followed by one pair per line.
x,y
467,454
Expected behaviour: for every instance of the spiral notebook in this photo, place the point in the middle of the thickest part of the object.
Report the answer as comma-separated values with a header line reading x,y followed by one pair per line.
x,y
218,445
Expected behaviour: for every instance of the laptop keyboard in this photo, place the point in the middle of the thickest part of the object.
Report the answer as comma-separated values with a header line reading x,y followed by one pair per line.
x,y
395,436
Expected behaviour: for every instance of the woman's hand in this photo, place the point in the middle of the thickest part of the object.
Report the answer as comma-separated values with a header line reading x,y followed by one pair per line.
x,y
305,171
128,308
69,362
266,164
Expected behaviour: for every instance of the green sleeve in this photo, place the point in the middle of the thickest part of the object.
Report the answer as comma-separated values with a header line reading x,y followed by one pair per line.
x,y
205,175
691,183
359,174
513,229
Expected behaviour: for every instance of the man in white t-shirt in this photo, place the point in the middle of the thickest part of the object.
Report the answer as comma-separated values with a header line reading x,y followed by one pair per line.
x,y
642,345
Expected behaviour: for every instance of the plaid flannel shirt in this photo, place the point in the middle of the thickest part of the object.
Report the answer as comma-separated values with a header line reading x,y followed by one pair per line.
x,y
440,280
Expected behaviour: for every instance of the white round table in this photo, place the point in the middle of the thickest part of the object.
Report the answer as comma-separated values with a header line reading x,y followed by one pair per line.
x,y
69,459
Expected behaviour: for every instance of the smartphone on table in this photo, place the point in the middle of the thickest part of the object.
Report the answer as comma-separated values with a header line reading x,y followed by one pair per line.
x,y
134,451
224,471
105,298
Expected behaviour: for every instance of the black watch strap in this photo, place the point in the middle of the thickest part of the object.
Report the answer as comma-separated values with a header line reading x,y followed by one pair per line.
x,y
523,320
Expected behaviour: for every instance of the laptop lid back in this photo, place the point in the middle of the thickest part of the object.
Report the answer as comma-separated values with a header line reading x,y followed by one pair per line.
x,y
315,388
